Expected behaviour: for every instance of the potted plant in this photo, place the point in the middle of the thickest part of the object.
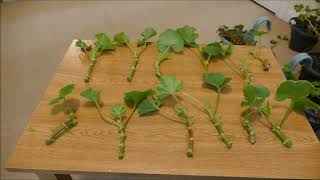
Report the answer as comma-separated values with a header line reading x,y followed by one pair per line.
x,y
305,32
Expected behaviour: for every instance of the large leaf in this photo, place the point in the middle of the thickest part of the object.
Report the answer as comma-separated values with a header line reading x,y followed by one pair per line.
x,y
121,38
303,103
213,50
189,35
134,98
217,80
147,106
118,111
170,39
103,42
168,86
294,90
91,94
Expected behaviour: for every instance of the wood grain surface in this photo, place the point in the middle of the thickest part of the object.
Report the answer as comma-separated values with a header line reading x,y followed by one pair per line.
x,y
156,145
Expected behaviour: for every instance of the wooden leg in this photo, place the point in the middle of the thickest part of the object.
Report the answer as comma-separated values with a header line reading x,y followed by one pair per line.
x,y
47,176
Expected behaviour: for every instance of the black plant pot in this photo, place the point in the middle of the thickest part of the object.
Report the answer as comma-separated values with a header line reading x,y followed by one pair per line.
x,y
311,72
314,119
301,40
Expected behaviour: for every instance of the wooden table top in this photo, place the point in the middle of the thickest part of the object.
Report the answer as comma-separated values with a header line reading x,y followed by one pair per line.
x,y
156,145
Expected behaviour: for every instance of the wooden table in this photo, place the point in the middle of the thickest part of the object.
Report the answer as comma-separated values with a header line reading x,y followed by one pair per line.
x,y
155,145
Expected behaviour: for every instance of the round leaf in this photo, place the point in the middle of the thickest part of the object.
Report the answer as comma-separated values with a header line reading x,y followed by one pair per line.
x,y
294,90
170,39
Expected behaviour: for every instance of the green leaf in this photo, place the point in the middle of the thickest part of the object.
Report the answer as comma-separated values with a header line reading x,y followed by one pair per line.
x,y
103,42
82,45
55,100
294,90
216,80
134,98
121,38
168,85
118,111
303,103
147,106
213,49
229,50
289,73
258,33
91,94
189,35
298,7
170,39
255,95
65,91
147,34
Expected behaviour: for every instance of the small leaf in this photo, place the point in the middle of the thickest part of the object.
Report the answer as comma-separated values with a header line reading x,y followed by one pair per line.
x,y
168,86
170,39
65,91
121,38
189,35
134,98
91,94
118,111
103,42
289,73
148,33
55,100
82,45
213,49
147,106
294,90
298,7
216,80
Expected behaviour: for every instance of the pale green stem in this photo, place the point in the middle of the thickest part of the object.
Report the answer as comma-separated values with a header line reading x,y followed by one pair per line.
x,y
104,118
130,116
217,104
159,61
286,115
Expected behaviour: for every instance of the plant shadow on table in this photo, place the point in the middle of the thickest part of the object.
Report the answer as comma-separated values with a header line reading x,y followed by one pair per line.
x,y
71,102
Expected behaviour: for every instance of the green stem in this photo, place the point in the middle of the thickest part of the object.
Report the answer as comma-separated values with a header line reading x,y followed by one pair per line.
x,y
247,125
135,56
233,68
104,118
130,116
89,72
159,60
218,125
202,60
284,139
65,126
286,115
266,65
122,138
193,99
217,104
190,137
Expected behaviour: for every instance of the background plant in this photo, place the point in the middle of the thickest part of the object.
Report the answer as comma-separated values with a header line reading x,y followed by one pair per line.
x,y
237,35
119,117
68,110
101,45
123,39
309,16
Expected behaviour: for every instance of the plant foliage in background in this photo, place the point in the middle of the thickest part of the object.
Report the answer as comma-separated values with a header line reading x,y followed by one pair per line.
x,y
310,17
123,39
102,44
68,110
237,35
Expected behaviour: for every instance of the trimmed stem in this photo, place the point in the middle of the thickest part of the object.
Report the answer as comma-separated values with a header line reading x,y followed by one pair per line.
x,y
265,63
217,104
133,68
122,139
89,72
63,127
218,125
285,116
284,139
190,137
247,125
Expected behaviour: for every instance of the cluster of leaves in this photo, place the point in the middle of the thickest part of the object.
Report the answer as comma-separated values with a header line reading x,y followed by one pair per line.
x,y
309,17
119,117
71,122
101,45
123,39
236,35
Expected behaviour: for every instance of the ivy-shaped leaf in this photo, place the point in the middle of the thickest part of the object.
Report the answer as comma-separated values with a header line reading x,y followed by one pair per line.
x,y
103,42
118,111
189,35
147,34
170,39
91,94
134,98
147,106
255,95
215,50
82,45
121,38
168,85
63,93
217,80
294,90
